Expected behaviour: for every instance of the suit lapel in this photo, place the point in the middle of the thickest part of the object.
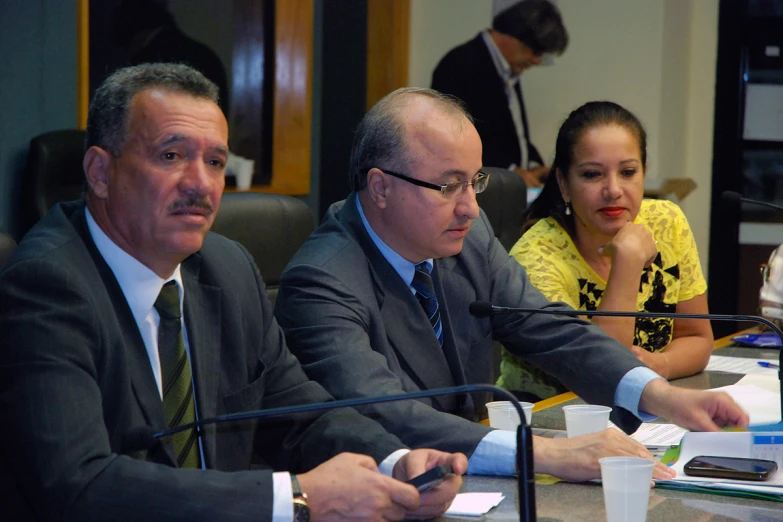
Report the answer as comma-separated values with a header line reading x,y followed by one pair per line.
x,y
145,389
407,326
203,307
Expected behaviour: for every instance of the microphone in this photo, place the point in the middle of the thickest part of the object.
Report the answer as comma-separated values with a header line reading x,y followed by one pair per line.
x,y
486,309
736,200
145,437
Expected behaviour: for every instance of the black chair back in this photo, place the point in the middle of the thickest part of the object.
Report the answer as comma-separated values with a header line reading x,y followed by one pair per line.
x,y
54,173
504,201
7,246
271,226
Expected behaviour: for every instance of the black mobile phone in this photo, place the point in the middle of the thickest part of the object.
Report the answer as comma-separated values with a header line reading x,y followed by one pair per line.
x,y
730,468
429,479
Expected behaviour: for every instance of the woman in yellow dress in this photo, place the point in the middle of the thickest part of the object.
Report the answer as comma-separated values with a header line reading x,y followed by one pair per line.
x,y
595,244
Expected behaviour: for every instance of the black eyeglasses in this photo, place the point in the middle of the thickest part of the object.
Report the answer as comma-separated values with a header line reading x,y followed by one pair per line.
x,y
453,190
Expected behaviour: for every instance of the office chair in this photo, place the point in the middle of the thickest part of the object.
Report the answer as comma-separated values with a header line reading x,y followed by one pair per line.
x,y
54,173
7,246
271,227
503,201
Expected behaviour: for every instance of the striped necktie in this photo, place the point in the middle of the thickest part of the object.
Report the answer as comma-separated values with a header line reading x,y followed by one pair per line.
x,y
425,293
178,403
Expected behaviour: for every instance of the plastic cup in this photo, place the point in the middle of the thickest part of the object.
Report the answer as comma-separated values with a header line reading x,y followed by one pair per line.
x,y
626,485
244,174
503,415
586,418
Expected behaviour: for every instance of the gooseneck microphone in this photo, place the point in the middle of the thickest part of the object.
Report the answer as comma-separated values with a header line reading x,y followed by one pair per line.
x,y
486,309
736,199
144,438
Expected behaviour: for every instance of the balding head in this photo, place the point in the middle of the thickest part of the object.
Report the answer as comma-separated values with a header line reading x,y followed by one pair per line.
x,y
381,138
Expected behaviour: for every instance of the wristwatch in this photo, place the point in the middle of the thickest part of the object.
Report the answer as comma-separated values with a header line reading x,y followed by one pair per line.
x,y
301,509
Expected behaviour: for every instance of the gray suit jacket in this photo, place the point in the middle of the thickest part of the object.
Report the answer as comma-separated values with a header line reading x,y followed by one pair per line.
x,y
358,330
75,380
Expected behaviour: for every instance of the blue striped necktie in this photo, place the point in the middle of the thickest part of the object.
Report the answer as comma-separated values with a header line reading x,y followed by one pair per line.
x,y
425,293
178,403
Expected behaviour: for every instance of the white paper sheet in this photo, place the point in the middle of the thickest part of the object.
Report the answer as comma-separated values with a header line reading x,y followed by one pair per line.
x,y
761,404
474,504
743,365
656,436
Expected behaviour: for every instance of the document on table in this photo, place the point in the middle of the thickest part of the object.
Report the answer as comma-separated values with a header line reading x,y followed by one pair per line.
x,y
658,436
759,445
743,365
474,504
755,395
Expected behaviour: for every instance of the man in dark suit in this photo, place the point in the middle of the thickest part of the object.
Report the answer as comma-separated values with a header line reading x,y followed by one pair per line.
x,y
485,74
364,320
124,314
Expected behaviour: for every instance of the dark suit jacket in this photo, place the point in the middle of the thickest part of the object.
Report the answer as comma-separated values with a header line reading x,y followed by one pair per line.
x,y
358,330
75,380
467,72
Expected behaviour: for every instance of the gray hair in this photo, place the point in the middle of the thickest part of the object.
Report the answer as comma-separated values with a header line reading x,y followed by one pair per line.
x,y
380,138
107,118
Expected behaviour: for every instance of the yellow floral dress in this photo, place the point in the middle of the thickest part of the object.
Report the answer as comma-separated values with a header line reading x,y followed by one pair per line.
x,y
557,269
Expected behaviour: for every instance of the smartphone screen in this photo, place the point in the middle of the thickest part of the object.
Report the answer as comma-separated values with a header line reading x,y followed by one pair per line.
x,y
730,468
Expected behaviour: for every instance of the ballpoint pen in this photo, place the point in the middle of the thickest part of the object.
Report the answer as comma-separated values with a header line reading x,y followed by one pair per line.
x,y
766,364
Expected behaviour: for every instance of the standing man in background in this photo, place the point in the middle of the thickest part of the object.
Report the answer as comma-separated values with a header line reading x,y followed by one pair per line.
x,y
485,74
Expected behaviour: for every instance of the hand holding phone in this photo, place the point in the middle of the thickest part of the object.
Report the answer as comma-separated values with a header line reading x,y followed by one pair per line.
x,y
730,468
429,479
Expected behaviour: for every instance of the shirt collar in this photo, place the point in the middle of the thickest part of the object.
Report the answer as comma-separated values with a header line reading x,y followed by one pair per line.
x,y
402,266
501,64
139,284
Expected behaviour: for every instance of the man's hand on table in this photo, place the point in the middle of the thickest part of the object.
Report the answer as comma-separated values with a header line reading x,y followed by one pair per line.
x,y
576,459
692,409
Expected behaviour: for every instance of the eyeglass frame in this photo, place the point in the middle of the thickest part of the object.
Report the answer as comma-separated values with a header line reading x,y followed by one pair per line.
x,y
442,188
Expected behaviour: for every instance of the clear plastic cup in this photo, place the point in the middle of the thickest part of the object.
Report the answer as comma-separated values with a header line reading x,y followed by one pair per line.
x,y
503,415
586,418
626,484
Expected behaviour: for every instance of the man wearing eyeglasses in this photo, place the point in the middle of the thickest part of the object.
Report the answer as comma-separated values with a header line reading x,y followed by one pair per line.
x,y
376,302
485,74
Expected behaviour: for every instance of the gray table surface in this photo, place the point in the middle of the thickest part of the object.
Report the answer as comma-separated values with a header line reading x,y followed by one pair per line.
x,y
584,502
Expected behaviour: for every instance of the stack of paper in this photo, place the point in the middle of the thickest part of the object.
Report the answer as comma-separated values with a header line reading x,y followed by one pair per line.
x,y
659,437
759,396
757,445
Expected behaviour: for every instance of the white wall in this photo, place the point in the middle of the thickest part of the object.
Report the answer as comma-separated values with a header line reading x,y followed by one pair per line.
x,y
657,58
436,27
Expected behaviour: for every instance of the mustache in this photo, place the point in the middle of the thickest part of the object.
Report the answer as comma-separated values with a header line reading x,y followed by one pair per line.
x,y
193,201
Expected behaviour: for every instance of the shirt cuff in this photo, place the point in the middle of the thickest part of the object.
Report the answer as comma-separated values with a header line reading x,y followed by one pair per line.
x,y
496,454
283,497
629,391
387,466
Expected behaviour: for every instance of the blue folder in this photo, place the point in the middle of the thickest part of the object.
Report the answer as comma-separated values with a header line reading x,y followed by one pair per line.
x,y
764,340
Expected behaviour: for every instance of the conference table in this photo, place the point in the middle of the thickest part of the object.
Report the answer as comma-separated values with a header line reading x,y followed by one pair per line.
x,y
583,502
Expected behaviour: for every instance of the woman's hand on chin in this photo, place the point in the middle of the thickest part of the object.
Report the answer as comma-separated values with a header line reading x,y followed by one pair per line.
x,y
633,243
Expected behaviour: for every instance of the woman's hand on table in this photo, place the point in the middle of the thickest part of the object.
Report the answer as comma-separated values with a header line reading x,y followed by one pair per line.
x,y
657,361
